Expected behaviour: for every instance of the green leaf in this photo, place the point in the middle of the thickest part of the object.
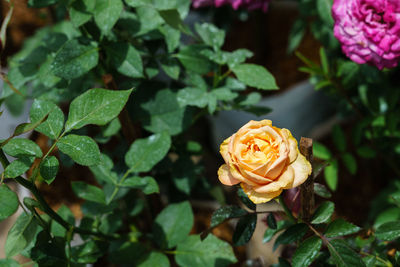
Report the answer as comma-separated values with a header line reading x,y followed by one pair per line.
x,y
172,37
224,94
296,35
210,35
171,67
20,147
192,59
271,221
323,212
210,252
88,252
96,106
106,13
193,97
387,215
82,149
147,184
112,128
9,263
244,230
307,251
18,166
238,57
322,191
291,234
154,259
245,199
49,169
27,127
149,19
81,11
324,8
145,153
339,138
54,123
343,255
185,173
173,19
103,170
325,67
350,162
126,59
65,213
331,174
9,202
173,224
88,192
165,114
224,213
75,59
320,151
255,76
21,235
340,227
388,231
269,233
250,99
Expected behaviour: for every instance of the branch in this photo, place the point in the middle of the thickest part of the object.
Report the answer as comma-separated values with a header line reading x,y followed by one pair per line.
x,y
46,208
307,188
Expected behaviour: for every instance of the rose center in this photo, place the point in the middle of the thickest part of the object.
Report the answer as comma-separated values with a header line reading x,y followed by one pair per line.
x,y
263,149
377,14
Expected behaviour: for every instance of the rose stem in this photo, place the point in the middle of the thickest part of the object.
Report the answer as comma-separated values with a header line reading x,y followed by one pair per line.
x,y
307,188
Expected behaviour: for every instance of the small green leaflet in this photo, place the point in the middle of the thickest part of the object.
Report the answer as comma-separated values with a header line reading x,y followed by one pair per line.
x,y
96,106
323,212
255,76
307,252
106,13
54,123
82,149
147,152
88,192
210,252
9,202
75,59
21,235
173,224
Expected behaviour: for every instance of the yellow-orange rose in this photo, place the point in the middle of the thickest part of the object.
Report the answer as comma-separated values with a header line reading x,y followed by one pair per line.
x,y
264,159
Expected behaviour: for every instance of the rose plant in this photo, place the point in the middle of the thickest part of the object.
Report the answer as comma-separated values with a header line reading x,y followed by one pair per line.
x,y
115,92
118,96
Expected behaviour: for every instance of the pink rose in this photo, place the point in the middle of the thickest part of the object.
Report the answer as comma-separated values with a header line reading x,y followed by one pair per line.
x,y
248,4
368,30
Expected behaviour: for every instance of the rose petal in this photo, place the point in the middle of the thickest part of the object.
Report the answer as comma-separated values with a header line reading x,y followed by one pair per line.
x,y
256,178
292,144
225,177
284,181
259,198
302,169
235,173
223,149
